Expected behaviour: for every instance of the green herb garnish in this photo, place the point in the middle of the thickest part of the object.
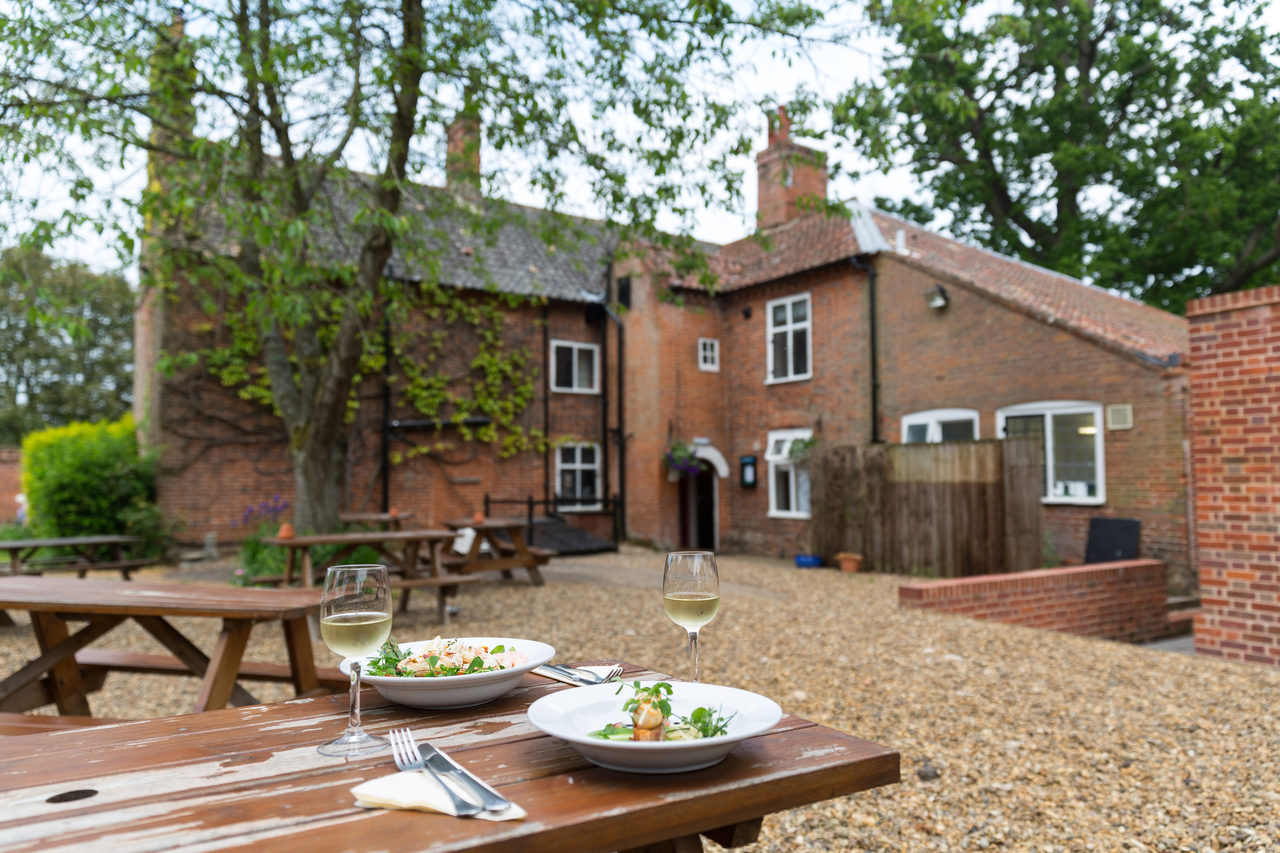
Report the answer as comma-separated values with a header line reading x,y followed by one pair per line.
x,y
709,723
652,694
388,659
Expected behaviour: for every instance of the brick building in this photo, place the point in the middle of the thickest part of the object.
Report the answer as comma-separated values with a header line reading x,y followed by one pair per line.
x,y
1235,437
223,456
874,329
845,330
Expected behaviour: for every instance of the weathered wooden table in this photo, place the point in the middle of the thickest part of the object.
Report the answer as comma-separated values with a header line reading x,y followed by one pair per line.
x,y
250,778
502,554
66,671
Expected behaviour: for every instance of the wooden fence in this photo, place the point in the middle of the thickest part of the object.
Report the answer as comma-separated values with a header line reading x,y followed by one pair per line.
x,y
946,510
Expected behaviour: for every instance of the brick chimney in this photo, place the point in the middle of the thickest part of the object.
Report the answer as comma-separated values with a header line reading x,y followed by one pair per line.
x,y
791,177
462,155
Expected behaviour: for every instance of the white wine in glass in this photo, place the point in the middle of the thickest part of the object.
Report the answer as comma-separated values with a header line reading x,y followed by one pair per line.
x,y
691,593
355,620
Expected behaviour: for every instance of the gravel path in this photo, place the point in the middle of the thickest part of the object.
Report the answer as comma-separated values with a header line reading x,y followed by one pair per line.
x,y
1011,738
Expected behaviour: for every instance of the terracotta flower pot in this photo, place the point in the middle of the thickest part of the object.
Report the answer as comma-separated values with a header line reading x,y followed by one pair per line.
x,y
477,517
286,531
850,562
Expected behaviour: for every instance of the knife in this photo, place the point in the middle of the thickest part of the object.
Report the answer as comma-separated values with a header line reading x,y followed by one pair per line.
x,y
446,767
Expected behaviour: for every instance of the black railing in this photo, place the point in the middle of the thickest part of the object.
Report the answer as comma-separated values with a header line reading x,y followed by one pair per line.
x,y
612,506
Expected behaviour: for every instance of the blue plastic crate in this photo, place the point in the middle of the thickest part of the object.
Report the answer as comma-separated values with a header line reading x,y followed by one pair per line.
x,y
808,561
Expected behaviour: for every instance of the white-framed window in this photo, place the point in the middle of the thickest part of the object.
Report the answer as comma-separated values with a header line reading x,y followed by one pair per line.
x,y
788,478
936,425
1070,433
575,367
788,347
709,355
578,477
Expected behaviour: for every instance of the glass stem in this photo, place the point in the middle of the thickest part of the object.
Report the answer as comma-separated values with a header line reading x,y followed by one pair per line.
x,y
353,720
693,647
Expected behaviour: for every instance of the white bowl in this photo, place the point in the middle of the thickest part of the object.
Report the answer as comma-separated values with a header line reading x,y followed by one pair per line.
x,y
571,714
458,691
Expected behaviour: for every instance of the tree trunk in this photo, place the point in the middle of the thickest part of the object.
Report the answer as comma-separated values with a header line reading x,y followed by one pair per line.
x,y
319,473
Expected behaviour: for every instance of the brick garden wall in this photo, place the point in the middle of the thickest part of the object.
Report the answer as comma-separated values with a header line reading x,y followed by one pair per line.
x,y
1235,434
1115,601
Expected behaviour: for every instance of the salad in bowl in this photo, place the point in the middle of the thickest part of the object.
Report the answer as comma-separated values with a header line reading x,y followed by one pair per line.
x,y
456,672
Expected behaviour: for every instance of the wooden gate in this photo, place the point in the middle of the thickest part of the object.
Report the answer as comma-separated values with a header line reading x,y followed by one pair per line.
x,y
948,510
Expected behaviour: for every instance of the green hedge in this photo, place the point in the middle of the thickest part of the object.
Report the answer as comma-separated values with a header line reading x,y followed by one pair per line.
x,y
88,479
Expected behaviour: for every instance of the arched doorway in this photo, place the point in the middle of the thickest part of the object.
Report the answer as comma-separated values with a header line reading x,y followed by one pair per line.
x,y
700,501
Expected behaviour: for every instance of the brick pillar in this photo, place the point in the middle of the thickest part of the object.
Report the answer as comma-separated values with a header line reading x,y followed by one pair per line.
x,y
1235,435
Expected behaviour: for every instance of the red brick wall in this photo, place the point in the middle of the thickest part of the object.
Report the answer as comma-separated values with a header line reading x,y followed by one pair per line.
x,y
1116,601
979,354
976,354
222,455
10,483
1235,435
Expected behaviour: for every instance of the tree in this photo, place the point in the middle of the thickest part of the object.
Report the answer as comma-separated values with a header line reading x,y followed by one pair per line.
x,y
1128,141
67,353
257,115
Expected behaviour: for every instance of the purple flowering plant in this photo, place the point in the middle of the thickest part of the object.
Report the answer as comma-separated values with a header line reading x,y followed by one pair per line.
x,y
680,457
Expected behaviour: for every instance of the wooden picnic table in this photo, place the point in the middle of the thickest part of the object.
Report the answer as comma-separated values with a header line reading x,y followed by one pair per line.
x,y
506,549
252,779
383,520
413,555
85,551
66,670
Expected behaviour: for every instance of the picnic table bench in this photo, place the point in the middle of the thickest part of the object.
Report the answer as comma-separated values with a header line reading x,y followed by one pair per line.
x,y
412,557
498,545
83,559
66,671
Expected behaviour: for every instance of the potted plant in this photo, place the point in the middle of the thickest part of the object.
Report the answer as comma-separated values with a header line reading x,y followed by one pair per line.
x,y
680,459
849,562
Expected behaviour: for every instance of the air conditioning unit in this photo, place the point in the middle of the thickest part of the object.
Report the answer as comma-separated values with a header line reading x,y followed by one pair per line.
x,y
1120,416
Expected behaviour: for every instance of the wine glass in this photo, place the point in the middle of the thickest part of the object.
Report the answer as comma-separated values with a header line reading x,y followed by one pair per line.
x,y
691,593
355,620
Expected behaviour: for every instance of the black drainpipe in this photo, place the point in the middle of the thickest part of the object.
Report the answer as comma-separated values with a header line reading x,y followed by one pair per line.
x,y
386,414
546,408
621,430
870,270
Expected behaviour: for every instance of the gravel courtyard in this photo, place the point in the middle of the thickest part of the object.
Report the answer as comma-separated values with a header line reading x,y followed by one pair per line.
x,y
1010,738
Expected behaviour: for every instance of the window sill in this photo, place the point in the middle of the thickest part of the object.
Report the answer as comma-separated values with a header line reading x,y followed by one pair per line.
x,y
580,508
581,391
801,378
1074,501
794,516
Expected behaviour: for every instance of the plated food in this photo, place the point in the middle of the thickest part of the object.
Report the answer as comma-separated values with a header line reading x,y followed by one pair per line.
x,y
651,718
582,715
441,658
451,673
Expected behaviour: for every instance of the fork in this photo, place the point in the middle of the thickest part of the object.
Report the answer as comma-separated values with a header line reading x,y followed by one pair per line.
x,y
583,676
407,757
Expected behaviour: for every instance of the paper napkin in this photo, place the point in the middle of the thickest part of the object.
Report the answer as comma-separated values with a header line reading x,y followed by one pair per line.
x,y
415,789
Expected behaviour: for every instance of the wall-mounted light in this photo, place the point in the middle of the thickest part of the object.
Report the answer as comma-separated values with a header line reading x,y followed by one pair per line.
x,y
746,313
936,297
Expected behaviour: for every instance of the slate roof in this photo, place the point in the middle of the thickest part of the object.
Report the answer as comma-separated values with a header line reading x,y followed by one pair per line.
x,y
513,248
816,240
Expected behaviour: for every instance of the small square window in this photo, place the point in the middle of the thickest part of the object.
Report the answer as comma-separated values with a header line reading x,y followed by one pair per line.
x,y
709,355
575,367
578,475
